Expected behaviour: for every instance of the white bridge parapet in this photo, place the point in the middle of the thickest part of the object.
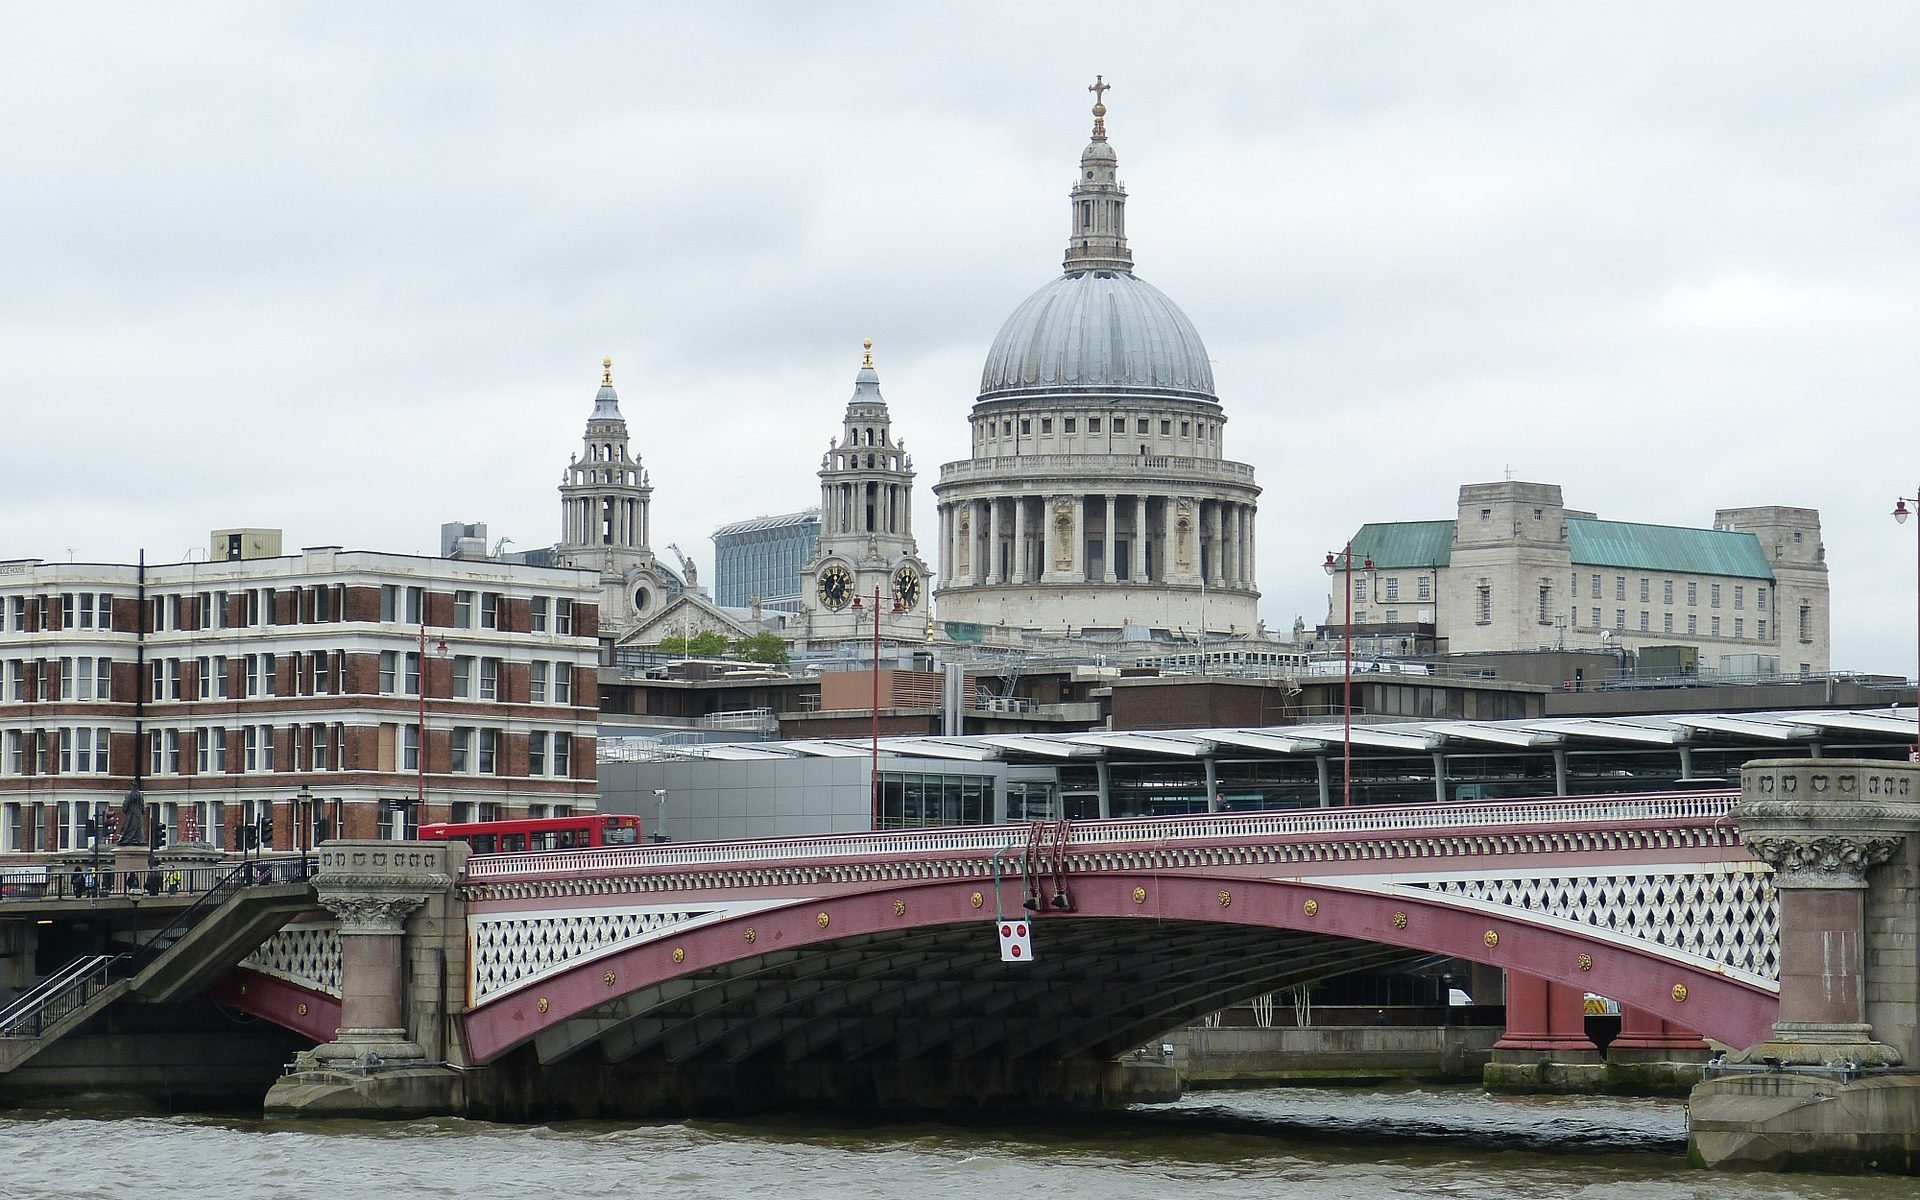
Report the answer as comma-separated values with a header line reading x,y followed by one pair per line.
x,y
1546,814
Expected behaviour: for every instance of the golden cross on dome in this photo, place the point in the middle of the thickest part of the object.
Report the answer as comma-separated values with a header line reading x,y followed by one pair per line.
x,y
606,372
866,359
1099,88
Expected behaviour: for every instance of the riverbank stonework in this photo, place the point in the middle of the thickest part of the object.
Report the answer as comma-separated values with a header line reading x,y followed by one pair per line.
x,y
1248,1056
1833,1088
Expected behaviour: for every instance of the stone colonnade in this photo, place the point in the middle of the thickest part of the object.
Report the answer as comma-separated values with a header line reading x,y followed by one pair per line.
x,y
866,506
587,518
1102,537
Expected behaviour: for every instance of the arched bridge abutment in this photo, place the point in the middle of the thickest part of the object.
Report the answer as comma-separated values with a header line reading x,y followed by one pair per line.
x,y
898,997
865,969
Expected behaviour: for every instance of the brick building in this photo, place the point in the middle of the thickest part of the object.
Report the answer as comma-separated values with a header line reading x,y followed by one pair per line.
x,y
223,687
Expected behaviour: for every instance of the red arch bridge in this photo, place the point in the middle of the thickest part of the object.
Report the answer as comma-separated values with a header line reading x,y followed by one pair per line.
x,y
884,947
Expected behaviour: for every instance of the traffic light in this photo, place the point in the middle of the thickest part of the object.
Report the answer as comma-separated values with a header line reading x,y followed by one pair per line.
x,y
89,829
266,830
157,834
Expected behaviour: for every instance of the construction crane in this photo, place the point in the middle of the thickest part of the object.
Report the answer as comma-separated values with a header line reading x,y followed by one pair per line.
x,y
689,574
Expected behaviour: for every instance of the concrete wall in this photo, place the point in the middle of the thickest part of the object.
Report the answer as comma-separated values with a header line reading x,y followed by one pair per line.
x,y
1232,1056
1893,951
715,801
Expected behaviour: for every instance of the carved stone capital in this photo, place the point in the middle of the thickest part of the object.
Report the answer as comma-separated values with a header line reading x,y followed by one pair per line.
x,y
1814,859
371,912
1824,823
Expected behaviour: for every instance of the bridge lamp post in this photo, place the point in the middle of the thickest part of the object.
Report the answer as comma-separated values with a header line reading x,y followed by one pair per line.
x,y
303,823
873,771
1900,514
1343,566
420,737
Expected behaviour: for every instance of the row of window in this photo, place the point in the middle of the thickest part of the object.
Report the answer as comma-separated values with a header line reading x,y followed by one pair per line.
x,y
78,610
476,751
78,750
1390,588
1667,592
257,606
1142,427
319,746
315,673
1667,623
477,678
1483,613
1390,591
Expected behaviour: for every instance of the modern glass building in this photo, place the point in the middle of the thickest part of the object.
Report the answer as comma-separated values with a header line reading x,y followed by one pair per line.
x,y
762,557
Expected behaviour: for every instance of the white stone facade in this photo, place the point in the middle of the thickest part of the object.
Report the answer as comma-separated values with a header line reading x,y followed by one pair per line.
x,y
1098,494
866,558
605,519
1517,570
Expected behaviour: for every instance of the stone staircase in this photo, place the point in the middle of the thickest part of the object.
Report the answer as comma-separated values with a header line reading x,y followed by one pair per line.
x,y
60,1004
204,942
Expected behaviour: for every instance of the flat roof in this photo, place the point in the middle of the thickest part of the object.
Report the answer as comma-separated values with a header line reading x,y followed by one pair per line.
x,y
1758,731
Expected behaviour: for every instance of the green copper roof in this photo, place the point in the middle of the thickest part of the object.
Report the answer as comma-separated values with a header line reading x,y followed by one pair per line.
x,y
1666,548
1670,548
1404,543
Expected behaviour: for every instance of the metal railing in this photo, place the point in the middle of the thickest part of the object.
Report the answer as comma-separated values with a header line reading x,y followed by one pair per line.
x,y
59,995
1698,808
61,881
747,718
69,989
257,873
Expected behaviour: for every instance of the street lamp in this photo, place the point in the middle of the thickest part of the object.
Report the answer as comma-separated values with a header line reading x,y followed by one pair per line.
x,y
873,771
1900,514
1344,567
420,737
303,822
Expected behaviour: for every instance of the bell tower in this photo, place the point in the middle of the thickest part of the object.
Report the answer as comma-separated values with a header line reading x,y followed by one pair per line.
x,y
605,497
866,542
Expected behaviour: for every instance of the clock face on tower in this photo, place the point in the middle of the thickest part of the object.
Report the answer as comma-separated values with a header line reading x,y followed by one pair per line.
x,y
835,587
906,587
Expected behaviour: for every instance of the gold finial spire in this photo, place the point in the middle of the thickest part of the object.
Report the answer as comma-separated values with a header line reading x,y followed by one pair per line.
x,y
866,359
1099,88
606,372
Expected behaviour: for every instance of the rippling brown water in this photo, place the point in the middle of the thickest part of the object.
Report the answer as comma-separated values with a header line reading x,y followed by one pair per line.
x,y
1310,1144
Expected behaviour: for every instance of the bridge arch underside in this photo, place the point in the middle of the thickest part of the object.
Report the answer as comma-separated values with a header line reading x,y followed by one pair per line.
x,y
910,978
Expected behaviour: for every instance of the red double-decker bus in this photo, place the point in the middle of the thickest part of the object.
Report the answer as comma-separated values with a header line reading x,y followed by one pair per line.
x,y
539,833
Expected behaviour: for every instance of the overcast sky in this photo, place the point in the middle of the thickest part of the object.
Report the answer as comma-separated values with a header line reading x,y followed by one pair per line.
x,y
349,270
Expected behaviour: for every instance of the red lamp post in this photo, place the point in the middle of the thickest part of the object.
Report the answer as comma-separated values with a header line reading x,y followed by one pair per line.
x,y
873,770
420,757
1900,514
1344,566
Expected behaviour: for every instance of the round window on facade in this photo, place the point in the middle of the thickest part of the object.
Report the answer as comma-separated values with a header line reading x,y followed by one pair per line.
x,y
640,599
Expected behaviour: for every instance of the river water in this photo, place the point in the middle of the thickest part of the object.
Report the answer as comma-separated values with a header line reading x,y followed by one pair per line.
x,y
1298,1143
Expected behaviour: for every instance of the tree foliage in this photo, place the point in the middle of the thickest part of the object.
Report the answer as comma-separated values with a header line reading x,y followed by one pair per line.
x,y
763,647
708,643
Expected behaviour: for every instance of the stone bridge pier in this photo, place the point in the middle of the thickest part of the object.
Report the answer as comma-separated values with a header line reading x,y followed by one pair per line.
x,y
402,966
1833,1087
